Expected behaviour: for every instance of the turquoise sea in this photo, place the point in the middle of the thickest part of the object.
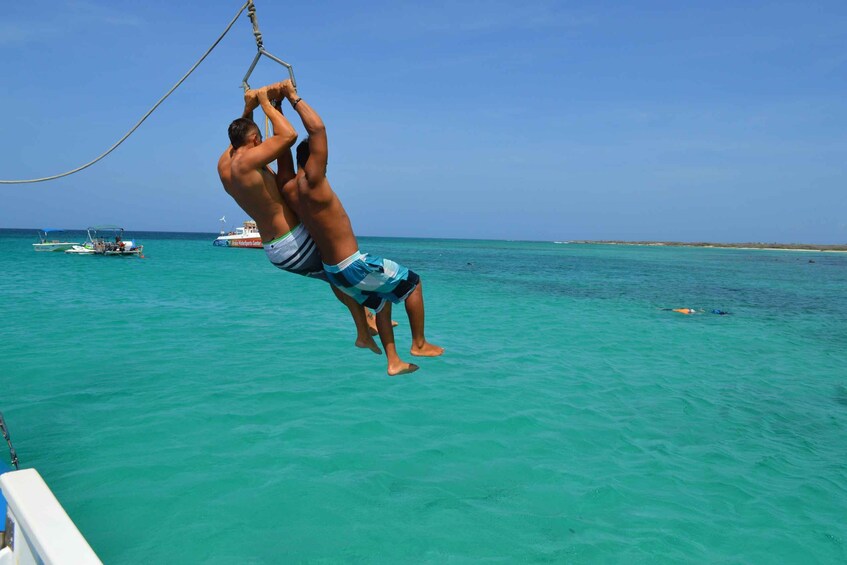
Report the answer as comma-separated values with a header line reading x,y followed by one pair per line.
x,y
200,406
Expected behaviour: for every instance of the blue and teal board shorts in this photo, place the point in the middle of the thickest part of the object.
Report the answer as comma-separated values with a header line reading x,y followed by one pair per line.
x,y
372,280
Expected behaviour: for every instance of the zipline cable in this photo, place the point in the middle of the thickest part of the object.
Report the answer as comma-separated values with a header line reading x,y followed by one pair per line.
x,y
247,4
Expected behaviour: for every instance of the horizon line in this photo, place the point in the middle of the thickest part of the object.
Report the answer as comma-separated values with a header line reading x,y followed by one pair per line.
x,y
657,243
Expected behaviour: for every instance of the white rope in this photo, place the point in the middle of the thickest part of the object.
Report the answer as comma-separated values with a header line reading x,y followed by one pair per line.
x,y
141,121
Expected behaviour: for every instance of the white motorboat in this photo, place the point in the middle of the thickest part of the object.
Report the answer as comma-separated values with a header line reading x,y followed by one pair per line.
x,y
108,241
86,248
245,236
45,242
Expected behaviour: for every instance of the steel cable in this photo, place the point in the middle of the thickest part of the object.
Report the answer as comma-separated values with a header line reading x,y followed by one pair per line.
x,y
256,33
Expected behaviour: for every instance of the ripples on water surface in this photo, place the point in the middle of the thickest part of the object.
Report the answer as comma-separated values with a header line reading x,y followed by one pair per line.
x,y
201,406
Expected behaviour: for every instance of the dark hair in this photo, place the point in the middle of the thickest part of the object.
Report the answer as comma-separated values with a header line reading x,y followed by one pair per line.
x,y
302,153
239,130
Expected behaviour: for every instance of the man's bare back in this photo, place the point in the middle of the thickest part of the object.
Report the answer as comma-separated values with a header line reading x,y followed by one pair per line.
x,y
257,194
252,184
325,217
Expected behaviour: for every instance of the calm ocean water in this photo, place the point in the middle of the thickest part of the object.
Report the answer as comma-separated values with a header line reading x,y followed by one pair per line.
x,y
200,406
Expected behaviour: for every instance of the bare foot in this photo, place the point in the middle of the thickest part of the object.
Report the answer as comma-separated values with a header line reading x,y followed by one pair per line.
x,y
402,368
369,343
427,350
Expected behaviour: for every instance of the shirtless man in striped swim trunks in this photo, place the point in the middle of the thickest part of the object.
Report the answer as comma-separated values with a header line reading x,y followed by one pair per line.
x,y
372,281
244,172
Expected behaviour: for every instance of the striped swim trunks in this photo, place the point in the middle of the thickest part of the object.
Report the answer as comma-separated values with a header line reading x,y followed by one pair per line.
x,y
296,253
372,280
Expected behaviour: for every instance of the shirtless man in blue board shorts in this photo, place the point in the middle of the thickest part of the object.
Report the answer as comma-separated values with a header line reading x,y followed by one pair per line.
x,y
372,281
244,173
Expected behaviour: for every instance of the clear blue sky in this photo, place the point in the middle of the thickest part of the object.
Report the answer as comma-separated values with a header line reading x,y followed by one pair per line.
x,y
719,121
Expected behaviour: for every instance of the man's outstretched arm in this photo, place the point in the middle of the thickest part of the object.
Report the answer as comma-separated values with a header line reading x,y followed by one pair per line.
x,y
282,139
285,163
315,168
251,102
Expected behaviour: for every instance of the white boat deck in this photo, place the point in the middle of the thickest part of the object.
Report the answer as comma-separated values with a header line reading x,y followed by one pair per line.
x,y
38,530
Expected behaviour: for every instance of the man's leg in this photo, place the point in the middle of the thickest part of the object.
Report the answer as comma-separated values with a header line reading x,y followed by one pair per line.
x,y
396,366
372,322
371,319
363,335
415,310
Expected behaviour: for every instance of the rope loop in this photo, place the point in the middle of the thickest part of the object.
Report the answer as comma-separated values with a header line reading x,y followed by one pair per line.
x,y
251,13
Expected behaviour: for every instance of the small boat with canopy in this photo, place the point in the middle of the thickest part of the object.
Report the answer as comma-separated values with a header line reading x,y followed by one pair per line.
x,y
46,241
107,240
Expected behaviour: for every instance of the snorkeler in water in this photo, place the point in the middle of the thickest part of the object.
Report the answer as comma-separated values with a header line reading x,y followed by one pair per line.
x,y
681,310
688,311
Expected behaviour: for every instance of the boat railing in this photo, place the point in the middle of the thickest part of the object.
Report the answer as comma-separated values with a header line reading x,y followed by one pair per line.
x,y
38,530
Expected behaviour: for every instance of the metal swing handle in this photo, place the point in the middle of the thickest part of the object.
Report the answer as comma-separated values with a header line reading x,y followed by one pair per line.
x,y
246,86
260,48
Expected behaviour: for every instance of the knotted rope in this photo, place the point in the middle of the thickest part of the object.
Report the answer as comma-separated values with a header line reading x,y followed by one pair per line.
x,y
251,13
